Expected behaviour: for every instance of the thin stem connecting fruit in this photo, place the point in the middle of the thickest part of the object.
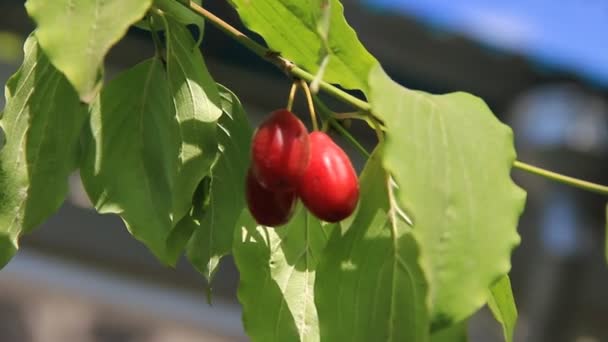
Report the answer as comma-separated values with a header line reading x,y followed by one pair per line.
x,y
292,95
297,72
311,106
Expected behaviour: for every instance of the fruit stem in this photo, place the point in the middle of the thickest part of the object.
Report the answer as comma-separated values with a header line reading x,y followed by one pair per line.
x,y
297,72
311,106
292,95
557,177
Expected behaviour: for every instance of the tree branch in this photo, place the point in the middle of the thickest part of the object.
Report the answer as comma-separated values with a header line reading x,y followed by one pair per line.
x,y
275,58
557,177
297,72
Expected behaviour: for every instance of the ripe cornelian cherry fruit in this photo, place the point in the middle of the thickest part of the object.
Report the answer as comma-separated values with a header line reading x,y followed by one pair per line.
x,y
280,151
329,187
269,208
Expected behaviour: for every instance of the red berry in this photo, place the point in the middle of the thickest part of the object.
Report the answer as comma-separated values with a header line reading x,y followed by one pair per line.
x,y
329,187
269,208
280,151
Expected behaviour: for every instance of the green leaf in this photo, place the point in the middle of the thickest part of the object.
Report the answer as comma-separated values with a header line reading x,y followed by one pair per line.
x,y
323,26
42,122
455,333
132,153
77,35
277,277
369,284
502,304
178,12
295,28
451,159
197,105
216,224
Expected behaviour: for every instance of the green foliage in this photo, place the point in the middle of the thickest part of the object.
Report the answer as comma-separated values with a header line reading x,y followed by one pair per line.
x,y
451,159
177,11
455,333
215,225
277,277
167,149
42,121
369,284
502,304
292,28
197,106
77,35
131,158
181,13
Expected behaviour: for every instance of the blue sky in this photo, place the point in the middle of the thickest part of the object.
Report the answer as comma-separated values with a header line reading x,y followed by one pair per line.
x,y
569,35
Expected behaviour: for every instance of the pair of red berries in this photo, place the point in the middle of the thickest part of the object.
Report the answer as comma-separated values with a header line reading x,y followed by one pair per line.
x,y
288,163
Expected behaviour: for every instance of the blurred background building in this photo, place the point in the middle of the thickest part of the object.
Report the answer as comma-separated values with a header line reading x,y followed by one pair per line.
x,y
541,65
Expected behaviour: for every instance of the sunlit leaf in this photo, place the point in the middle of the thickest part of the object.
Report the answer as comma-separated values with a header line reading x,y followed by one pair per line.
x,y
451,159
294,29
277,277
76,35
197,106
216,224
369,284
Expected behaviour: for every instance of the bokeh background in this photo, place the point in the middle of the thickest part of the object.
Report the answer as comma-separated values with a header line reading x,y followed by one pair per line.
x,y
541,65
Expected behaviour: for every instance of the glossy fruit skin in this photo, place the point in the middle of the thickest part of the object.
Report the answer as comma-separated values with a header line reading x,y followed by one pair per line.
x,y
269,208
280,151
329,187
